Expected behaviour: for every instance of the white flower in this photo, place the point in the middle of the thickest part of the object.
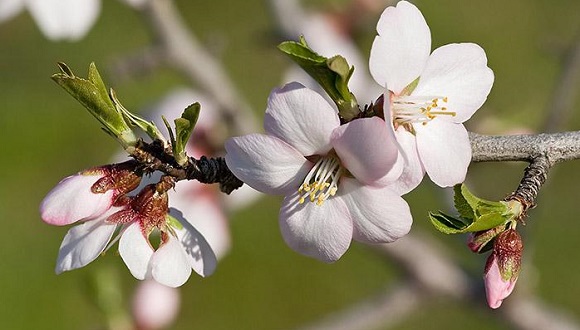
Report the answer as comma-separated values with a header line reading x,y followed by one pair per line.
x,y
155,306
331,174
57,19
429,95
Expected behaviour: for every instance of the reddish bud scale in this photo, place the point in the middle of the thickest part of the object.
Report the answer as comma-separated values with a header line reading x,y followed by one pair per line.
x,y
122,178
507,248
480,242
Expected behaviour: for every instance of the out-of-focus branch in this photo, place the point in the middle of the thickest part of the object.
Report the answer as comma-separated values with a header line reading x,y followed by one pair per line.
x,y
432,272
566,89
182,51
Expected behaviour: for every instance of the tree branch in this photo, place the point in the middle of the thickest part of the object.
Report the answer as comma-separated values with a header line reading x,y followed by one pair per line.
x,y
555,147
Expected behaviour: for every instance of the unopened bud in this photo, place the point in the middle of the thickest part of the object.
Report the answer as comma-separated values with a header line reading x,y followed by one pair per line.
x,y
503,267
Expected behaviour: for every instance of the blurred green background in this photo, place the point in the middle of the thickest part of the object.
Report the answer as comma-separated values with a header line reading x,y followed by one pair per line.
x,y
262,284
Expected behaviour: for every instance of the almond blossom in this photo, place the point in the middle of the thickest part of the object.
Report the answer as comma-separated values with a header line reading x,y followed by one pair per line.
x,y
503,267
331,175
429,95
57,19
97,198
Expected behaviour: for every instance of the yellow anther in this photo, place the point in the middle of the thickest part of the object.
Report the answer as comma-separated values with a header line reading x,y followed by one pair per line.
x,y
445,99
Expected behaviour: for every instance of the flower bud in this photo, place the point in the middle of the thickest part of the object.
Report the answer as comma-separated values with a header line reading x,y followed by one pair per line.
x,y
480,241
503,267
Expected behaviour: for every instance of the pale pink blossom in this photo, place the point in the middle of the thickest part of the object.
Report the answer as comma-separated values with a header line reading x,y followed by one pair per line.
x,y
57,19
330,174
429,95
155,306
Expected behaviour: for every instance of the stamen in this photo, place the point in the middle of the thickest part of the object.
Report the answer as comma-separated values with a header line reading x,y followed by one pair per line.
x,y
409,109
322,181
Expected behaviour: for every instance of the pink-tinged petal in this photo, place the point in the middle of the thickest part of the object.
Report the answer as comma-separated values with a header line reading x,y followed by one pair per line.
x,y
64,19
84,243
10,8
266,163
169,264
323,232
199,253
401,49
460,73
496,288
136,251
302,118
72,200
413,170
379,215
366,147
206,215
444,150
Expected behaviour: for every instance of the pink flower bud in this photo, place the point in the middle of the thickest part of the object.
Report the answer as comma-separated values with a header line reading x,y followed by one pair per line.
x,y
88,194
155,306
503,267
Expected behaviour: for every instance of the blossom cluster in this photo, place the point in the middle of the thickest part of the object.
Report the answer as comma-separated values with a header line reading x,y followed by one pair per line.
x,y
344,180
342,177
99,199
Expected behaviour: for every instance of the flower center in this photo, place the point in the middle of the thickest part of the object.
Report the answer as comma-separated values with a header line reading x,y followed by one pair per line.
x,y
322,181
410,109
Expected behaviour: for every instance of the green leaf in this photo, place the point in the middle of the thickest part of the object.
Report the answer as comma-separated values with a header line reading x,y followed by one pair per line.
x,y
332,74
446,223
183,128
461,204
93,95
147,126
487,221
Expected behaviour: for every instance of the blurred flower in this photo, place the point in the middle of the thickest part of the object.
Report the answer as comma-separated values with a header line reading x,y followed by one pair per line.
x,y
155,306
57,19
503,267
88,194
137,4
429,95
308,156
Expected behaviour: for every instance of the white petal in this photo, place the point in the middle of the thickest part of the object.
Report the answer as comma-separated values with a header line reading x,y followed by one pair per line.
x,y
169,264
10,8
72,200
366,148
64,19
203,212
379,214
83,243
199,253
401,49
444,150
413,171
302,118
323,232
459,72
266,163
136,251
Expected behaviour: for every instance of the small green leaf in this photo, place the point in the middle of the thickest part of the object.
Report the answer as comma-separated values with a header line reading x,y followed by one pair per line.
x,y
487,221
332,74
183,128
93,95
147,126
446,223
